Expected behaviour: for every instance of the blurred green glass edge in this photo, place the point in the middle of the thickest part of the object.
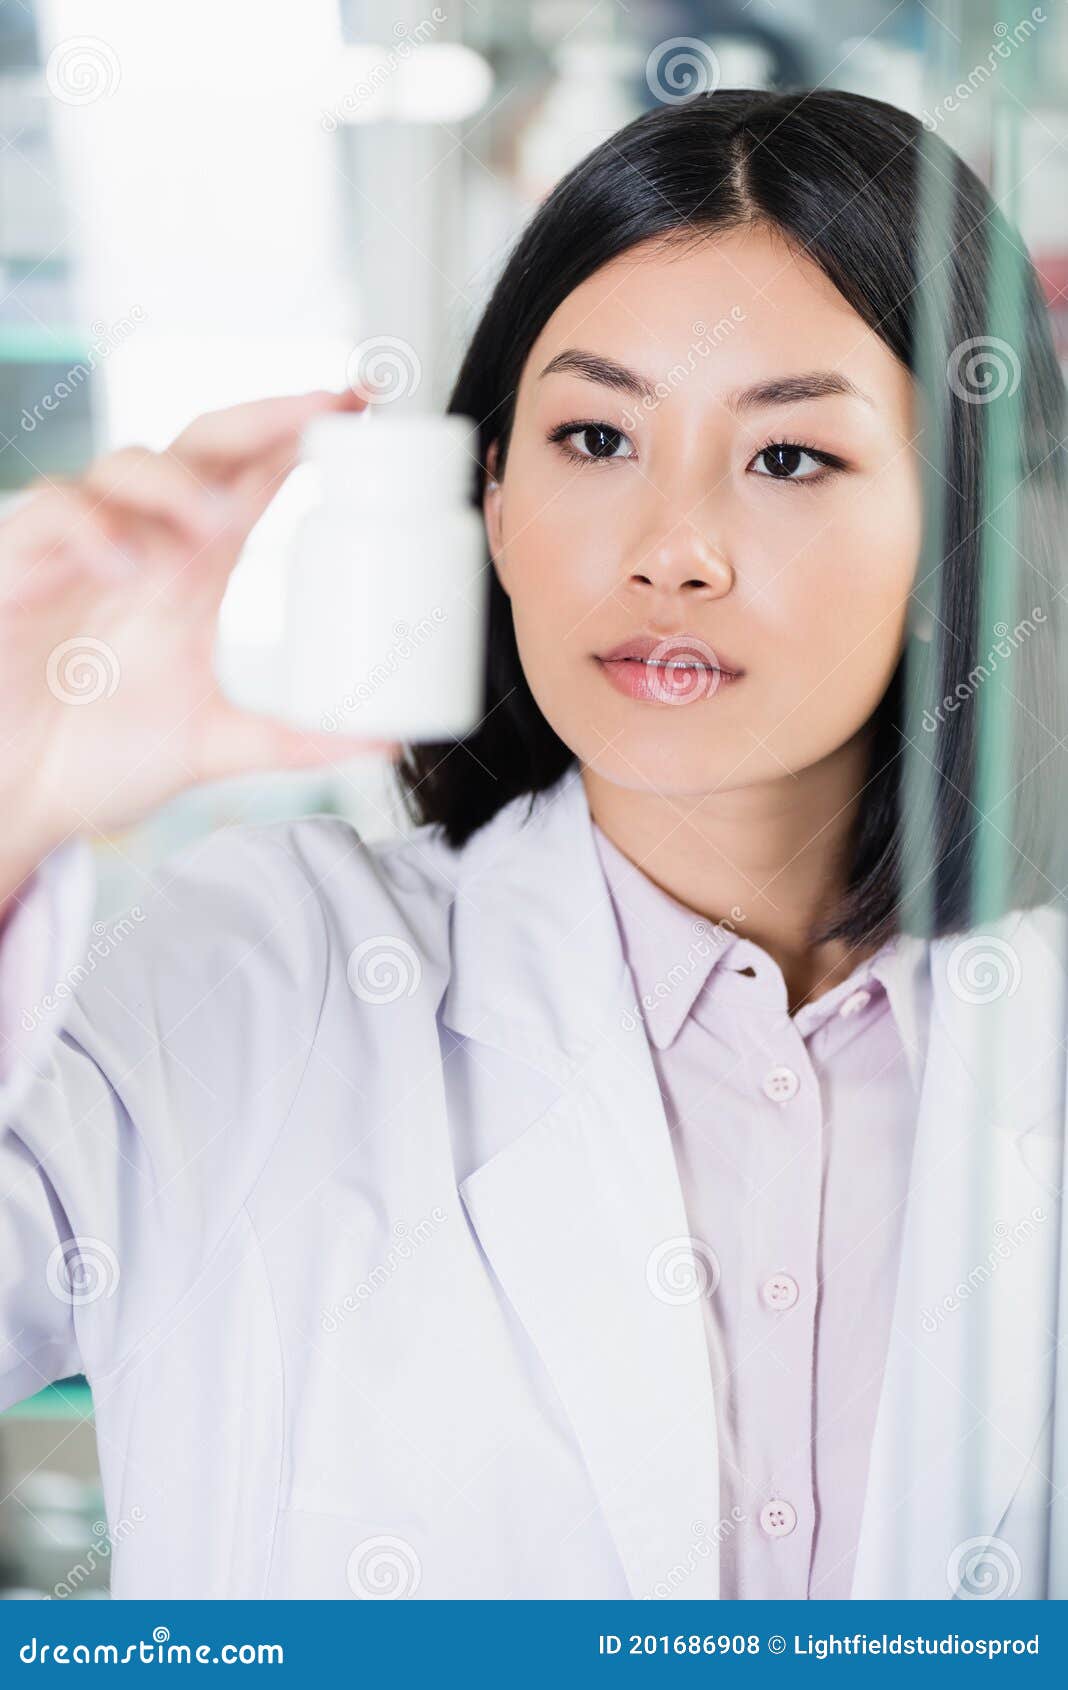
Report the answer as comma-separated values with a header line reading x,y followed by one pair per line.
x,y
923,656
1002,471
67,1399
1001,419
22,345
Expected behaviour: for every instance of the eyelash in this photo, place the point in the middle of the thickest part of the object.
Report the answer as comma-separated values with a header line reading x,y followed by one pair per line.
x,y
831,462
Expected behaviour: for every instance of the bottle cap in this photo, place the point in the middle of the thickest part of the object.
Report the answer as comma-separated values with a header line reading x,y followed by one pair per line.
x,y
376,457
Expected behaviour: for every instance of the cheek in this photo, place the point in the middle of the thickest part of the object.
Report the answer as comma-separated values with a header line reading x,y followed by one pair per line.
x,y
831,599
561,549
839,577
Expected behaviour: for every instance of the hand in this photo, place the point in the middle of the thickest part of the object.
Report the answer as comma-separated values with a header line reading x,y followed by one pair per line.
x,y
110,585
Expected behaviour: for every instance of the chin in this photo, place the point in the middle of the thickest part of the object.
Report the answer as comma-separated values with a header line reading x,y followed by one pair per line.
x,y
670,773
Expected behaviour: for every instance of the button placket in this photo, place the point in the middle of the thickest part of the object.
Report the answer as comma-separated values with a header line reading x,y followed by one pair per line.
x,y
781,1084
851,1020
778,1518
856,1001
781,1291
778,1323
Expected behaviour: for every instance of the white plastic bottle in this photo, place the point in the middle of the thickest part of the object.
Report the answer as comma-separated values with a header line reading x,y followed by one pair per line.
x,y
388,594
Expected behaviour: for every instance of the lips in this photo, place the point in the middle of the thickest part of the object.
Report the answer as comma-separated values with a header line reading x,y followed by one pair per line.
x,y
692,651
679,669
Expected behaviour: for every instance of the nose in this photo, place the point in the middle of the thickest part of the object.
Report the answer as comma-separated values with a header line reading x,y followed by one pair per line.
x,y
682,559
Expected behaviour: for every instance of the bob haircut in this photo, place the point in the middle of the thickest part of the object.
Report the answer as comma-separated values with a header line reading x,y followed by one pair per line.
x,y
838,175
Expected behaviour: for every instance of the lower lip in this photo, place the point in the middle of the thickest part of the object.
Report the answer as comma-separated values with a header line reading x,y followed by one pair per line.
x,y
686,685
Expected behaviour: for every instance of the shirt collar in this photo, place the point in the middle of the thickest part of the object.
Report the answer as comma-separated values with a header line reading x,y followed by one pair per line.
x,y
672,952
669,948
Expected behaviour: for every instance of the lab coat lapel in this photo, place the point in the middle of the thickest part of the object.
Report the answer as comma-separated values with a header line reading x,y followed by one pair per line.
x,y
968,1381
581,1214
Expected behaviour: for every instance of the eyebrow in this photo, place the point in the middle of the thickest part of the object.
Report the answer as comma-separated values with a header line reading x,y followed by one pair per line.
x,y
778,390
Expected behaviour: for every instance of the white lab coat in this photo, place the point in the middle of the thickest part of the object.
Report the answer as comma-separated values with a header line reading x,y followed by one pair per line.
x,y
363,1295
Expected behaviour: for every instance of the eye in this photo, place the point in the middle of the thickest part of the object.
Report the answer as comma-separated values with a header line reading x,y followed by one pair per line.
x,y
592,442
785,457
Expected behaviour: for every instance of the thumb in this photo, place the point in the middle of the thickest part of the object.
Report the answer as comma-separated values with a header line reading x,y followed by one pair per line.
x,y
241,742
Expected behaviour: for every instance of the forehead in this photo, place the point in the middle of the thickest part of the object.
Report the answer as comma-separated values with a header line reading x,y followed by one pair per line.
x,y
756,304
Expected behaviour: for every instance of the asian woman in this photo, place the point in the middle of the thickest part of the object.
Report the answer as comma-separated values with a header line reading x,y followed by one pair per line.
x,y
586,1194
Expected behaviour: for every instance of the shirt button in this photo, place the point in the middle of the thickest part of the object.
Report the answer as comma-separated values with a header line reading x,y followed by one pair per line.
x,y
778,1518
781,1291
781,1084
853,1004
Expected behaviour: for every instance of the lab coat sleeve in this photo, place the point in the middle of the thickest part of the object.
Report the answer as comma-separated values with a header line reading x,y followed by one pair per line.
x,y
147,1064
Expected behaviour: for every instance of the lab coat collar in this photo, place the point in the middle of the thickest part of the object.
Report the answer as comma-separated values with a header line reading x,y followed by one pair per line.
x,y
582,1218
532,913
905,972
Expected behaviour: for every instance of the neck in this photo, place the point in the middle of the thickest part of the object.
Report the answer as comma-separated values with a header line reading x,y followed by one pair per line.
x,y
776,852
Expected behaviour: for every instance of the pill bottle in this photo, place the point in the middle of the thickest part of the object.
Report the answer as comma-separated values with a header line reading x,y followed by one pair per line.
x,y
387,598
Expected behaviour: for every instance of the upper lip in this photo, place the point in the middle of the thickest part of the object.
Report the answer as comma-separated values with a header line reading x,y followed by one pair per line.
x,y
671,647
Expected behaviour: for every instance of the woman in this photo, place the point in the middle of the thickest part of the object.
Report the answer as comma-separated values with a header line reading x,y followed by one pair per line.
x,y
565,1200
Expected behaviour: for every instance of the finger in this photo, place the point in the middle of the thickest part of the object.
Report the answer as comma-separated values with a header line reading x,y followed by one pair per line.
x,y
254,487
160,489
240,742
59,521
222,443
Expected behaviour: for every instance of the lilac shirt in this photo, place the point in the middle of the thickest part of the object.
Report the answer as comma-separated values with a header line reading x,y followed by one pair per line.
x,y
793,1136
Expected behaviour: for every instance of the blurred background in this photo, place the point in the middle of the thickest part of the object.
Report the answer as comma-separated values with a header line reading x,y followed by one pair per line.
x,y
212,203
